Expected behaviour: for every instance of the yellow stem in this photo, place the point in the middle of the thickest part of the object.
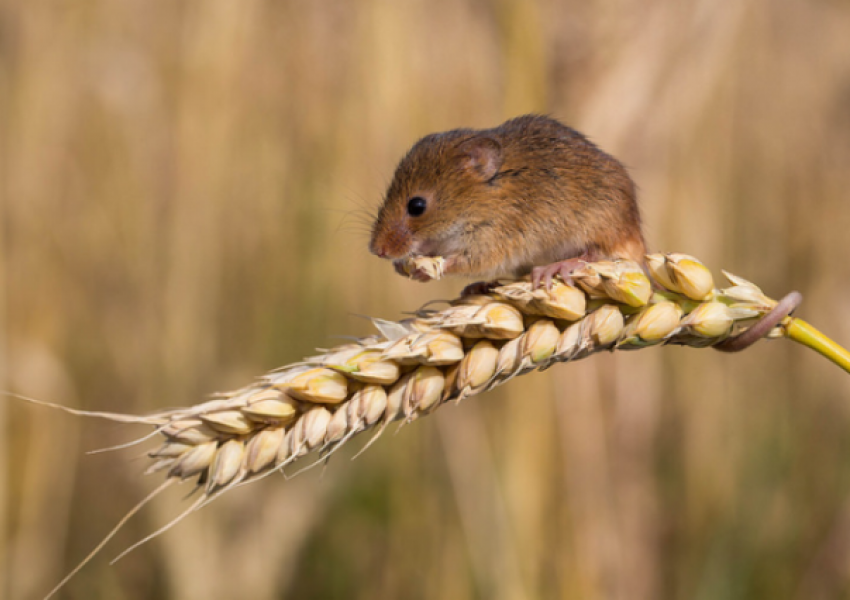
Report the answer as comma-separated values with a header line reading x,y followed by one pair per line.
x,y
800,331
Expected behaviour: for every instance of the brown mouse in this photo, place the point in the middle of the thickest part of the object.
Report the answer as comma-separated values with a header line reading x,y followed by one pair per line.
x,y
529,196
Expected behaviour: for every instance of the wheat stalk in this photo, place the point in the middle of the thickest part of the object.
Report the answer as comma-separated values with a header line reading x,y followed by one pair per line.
x,y
412,367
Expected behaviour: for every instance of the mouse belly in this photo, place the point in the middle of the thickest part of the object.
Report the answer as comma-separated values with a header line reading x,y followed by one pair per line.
x,y
526,261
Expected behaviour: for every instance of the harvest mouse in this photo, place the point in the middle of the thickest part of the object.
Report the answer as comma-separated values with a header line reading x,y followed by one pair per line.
x,y
529,196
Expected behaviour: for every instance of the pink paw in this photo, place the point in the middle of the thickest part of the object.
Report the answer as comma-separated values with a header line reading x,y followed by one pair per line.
x,y
417,274
545,274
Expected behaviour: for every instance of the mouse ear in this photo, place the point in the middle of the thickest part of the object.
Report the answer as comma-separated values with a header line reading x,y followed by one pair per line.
x,y
482,156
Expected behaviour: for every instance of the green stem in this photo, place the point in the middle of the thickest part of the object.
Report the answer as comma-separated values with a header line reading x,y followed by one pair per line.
x,y
800,331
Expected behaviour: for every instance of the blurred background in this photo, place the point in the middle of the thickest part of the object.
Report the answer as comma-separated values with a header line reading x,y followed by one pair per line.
x,y
185,195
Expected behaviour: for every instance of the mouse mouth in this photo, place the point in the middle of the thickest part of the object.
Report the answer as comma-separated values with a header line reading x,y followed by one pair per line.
x,y
397,246
430,248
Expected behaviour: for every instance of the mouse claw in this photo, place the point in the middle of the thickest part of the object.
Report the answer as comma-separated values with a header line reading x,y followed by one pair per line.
x,y
399,267
545,274
409,271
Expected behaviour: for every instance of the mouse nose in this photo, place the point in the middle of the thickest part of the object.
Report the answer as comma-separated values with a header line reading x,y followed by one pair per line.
x,y
388,246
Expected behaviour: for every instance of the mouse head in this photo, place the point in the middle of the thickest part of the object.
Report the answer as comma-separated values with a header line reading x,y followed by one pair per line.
x,y
435,194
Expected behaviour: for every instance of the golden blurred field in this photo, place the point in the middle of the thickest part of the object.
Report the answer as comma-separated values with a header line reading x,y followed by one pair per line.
x,y
185,191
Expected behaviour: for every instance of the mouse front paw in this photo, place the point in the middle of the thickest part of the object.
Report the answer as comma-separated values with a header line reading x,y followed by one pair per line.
x,y
420,268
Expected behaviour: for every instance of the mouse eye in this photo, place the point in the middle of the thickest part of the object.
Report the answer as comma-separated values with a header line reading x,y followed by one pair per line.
x,y
416,206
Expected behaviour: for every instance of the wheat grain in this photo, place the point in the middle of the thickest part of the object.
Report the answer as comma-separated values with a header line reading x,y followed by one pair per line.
x,y
415,365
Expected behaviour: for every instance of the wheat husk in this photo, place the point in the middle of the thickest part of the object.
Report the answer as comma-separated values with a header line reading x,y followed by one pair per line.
x,y
412,367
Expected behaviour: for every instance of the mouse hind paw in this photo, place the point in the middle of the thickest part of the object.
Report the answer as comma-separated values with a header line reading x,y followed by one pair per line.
x,y
544,274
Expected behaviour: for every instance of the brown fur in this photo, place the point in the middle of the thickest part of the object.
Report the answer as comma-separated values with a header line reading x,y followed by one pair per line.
x,y
500,201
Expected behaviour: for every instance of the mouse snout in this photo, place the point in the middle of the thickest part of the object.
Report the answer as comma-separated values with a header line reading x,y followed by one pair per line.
x,y
393,243
388,250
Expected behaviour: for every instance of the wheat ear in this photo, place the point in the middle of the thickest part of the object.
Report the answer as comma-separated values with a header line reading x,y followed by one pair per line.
x,y
412,367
